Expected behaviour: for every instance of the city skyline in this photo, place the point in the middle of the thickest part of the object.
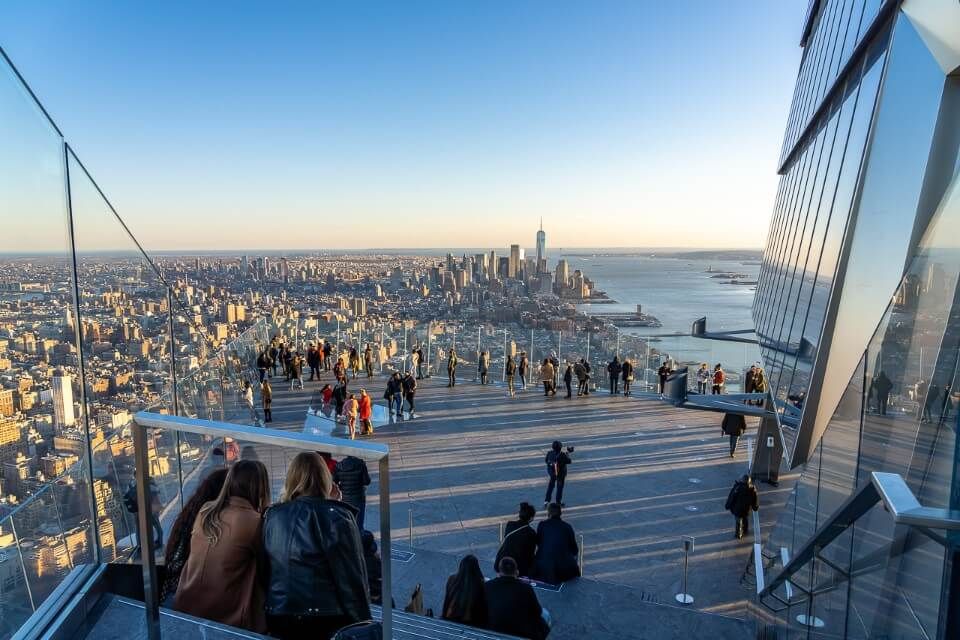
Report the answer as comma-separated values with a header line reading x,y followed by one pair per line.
x,y
574,115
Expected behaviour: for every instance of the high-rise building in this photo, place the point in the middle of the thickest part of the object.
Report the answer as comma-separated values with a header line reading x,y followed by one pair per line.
x,y
541,248
861,357
492,266
513,270
62,393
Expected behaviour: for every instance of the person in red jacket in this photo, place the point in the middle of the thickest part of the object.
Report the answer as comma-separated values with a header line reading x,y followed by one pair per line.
x,y
366,414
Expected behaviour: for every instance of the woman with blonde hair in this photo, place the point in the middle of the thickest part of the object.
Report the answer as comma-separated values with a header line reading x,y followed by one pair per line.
x,y
318,581
220,581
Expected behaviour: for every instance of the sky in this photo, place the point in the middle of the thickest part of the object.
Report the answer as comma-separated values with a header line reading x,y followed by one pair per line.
x,y
304,125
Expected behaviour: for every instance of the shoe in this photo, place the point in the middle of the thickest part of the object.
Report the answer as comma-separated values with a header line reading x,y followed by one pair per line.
x,y
546,503
413,415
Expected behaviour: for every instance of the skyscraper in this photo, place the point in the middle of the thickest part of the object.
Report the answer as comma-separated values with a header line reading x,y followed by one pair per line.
x,y
62,390
541,248
513,269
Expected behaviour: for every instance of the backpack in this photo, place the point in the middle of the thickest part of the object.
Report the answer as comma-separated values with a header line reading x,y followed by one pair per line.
x,y
368,630
733,495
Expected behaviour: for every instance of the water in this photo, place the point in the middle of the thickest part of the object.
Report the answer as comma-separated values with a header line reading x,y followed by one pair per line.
x,y
677,290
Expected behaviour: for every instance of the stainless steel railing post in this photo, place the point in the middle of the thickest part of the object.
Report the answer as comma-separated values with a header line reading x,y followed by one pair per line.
x,y
385,549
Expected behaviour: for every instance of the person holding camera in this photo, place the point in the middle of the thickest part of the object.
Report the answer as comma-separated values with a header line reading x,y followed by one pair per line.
x,y
557,460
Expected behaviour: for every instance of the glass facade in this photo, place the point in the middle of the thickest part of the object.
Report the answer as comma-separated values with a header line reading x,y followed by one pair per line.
x,y
862,363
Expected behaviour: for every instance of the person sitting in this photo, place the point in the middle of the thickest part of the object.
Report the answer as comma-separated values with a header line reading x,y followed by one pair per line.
x,y
220,581
464,600
178,544
512,605
519,541
318,579
557,550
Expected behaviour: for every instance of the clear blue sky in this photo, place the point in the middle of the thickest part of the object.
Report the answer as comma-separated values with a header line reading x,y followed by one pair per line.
x,y
339,125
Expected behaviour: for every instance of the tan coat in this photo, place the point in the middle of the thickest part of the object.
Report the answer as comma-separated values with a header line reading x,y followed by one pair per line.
x,y
219,582
546,372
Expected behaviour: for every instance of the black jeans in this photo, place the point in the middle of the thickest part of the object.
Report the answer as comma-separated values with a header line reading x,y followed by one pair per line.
x,y
558,482
267,411
734,439
451,377
569,384
741,525
410,397
614,385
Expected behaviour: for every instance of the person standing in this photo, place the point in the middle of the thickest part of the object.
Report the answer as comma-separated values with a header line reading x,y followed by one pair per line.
x,y
719,378
452,368
546,377
282,359
339,398
581,372
354,362
703,378
327,352
510,370
733,425
409,386
662,374
295,369
740,501
522,369
313,361
395,392
368,361
266,395
320,359
614,370
419,362
557,461
568,379
759,385
352,409
353,478
366,413
881,386
483,366
248,401
274,357
263,363
626,371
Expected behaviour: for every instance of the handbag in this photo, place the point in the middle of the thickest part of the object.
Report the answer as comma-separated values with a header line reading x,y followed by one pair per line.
x,y
368,630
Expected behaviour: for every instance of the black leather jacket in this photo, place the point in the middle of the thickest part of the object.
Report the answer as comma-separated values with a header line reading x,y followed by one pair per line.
x,y
316,565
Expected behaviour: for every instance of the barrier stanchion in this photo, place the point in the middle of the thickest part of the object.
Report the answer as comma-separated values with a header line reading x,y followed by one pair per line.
x,y
581,554
501,533
683,597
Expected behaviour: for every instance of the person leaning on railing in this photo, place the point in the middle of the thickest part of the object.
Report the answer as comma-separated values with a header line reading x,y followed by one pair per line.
x,y
317,580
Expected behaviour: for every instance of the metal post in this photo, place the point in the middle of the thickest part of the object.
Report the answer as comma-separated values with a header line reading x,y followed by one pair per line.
x,y
410,527
78,339
533,360
380,355
501,532
589,336
385,546
618,341
404,346
479,354
174,390
337,349
503,377
429,340
454,347
683,597
559,346
23,566
581,554
145,533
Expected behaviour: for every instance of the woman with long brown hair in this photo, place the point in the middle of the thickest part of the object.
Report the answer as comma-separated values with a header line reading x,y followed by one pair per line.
x,y
219,581
318,580
178,545
465,601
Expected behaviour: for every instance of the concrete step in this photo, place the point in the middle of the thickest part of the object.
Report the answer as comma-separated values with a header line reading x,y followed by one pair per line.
x,y
408,626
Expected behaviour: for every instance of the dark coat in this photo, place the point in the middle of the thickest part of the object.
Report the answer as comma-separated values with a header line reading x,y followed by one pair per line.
x,y
519,543
742,499
614,369
733,424
557,550
627,370
352,477
513,609
316,560
557,463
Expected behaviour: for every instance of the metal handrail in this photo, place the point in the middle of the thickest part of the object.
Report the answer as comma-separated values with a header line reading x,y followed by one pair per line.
x,y
890,489
145,420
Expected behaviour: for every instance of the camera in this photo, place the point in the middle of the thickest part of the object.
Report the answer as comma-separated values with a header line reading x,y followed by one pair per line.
x,y
569,449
